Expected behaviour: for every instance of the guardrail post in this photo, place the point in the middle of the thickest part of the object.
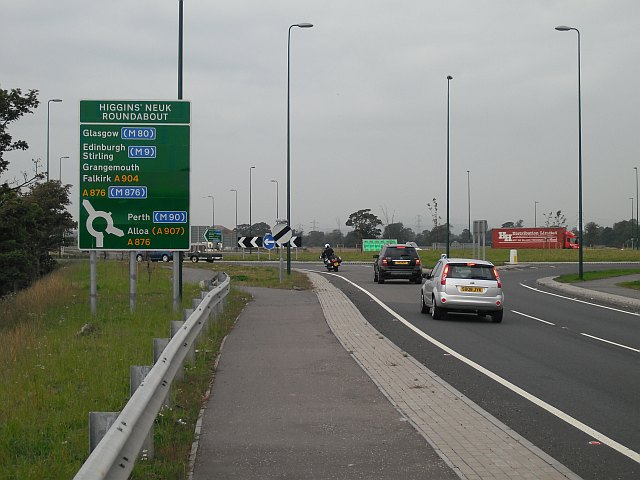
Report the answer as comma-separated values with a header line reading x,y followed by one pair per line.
x,y
99,423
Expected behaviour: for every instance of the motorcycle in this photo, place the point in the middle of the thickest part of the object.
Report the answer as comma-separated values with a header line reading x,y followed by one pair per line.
x,y
332,263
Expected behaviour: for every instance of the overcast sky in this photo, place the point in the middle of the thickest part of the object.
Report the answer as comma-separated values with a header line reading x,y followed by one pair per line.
x,y
368,101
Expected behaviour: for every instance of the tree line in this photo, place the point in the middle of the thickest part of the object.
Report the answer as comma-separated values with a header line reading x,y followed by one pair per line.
x,y
34,221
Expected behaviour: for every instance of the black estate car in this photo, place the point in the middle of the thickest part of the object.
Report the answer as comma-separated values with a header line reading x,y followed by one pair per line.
x,y
397,261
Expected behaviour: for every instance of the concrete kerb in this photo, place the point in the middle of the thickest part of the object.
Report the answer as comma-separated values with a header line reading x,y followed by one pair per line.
x,y
589,295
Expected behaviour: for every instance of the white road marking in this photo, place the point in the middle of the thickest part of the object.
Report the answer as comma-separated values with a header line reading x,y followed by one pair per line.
x,y
612,343
579,301
626,451
588,303
534,318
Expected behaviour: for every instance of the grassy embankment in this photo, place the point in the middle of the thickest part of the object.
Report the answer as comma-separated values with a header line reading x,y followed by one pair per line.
x,y
51,376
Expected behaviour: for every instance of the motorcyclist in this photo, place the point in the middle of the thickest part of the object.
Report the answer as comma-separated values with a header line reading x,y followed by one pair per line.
x,y
327,253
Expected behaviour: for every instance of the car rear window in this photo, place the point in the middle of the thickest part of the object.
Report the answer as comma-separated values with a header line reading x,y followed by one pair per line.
x,y
475,272
401,252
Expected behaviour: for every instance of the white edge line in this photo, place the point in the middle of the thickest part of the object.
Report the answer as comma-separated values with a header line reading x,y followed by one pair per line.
x,y
578,300
626,451
533,318
612,343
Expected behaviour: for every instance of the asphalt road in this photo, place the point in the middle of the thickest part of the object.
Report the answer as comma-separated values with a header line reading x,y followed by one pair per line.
x,y
541,347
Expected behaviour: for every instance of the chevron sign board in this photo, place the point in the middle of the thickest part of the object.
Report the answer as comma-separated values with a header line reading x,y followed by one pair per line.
x,y
256,242
295,242
250,242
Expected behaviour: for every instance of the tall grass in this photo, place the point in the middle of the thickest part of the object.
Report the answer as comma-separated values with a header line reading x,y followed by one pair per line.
x,y
52,376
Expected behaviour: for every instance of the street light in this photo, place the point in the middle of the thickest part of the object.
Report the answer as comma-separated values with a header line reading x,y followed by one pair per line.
x,y
449,78
48,116
299,25
631,198
60,178
250,170
563,28
535,213
277,196
636,236
213,210
469,202
236,192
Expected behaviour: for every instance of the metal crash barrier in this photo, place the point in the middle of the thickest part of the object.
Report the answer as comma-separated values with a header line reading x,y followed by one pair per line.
x,y
115,456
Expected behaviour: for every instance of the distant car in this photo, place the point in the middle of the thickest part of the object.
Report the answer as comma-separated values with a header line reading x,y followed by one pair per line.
x,y
397,261
462,285
414,245
154,256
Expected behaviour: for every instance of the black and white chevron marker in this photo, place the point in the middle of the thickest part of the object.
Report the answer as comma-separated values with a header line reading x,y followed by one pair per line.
x,y
250,242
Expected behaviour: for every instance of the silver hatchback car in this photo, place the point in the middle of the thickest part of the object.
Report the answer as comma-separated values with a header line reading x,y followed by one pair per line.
x,y
462,285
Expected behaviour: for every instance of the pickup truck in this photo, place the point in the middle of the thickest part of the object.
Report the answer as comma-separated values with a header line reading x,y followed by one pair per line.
x,y
199,252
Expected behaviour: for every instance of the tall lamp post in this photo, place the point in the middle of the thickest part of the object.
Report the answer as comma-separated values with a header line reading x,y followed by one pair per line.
x,y
631,198
213,210
449,78
236,192
60,177
563,28
48,117
535,213
299,25
469,202
250,170
636,236
277,199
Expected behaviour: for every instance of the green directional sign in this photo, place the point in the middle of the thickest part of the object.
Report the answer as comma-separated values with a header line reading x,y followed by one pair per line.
x,y
134,175
213,235
375,244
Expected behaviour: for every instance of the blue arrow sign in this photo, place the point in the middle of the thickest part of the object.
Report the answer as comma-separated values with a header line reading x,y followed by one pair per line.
x,y
268,242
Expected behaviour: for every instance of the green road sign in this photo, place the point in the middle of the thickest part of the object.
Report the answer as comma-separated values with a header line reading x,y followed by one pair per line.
x,y
211,235
134,175
375,244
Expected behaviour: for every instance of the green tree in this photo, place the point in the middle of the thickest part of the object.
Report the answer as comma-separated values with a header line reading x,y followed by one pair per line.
x,y
365,224
592,234
13,105
335,237
399,232
18,222
54,222
314,239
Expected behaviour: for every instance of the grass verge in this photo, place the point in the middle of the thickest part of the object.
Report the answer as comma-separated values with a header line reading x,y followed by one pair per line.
x,y
52,376
598,275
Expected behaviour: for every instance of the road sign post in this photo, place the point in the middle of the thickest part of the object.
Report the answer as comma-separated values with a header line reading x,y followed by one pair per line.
x,y
134,177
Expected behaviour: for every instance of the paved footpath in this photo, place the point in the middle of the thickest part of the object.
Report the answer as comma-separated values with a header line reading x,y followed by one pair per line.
x,y
289,401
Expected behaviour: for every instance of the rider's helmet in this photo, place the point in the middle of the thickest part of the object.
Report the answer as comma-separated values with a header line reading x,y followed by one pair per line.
x,y
326,245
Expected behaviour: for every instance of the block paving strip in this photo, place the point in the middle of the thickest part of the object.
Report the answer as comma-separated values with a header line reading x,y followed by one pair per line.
x,y
470,440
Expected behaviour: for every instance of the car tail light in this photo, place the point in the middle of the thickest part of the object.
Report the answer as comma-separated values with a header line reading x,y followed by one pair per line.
x,y
385,262
495,272
445,272
418,261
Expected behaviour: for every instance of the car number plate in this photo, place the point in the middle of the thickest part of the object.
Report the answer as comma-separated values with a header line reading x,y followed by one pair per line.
x,y
402,262
472,289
